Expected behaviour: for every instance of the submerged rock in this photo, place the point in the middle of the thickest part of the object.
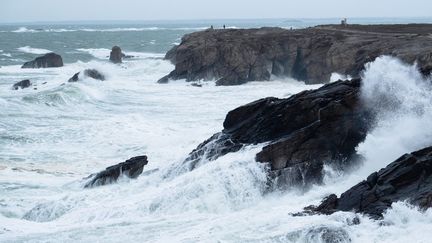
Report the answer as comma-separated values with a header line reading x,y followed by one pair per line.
x,y
116,55
22,84
92,73
236,56
408,178
304,132
46,61
131,168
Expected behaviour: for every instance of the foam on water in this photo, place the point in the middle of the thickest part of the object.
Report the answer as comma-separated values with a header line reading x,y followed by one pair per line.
x,y
61,30
54,136
31,50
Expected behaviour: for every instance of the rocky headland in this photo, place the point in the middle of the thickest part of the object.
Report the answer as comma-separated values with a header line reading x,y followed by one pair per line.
x,y
236,56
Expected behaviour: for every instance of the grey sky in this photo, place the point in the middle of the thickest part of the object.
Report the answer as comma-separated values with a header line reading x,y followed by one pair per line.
x,y
65,10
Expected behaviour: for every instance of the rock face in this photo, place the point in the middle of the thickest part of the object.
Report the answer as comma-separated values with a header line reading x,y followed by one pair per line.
x,y
46,61
22,84
131,168
116,55
234,57
407,178
92,73
304,132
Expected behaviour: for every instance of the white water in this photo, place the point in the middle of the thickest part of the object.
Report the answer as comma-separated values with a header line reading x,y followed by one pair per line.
x,y
60,30
54,136
31,50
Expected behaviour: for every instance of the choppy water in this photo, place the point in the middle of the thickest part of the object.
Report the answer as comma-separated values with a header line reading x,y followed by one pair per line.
x,y
53,136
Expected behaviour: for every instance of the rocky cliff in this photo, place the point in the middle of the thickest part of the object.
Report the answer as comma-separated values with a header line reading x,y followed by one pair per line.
x,y
303,133
236,56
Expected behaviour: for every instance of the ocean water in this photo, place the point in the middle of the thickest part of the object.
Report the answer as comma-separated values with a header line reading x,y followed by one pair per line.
x,y
55,133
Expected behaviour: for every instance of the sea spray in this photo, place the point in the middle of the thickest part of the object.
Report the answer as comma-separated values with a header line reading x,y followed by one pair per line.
x,y
402,101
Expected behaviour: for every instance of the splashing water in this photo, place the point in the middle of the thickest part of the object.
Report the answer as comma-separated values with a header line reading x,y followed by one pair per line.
x,y
402,100
54,136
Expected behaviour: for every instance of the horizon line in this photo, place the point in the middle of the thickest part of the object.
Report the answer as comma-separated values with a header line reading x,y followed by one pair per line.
x,y
204,19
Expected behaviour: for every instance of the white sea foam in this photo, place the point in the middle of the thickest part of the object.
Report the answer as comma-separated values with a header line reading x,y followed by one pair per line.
x,y
24,30
103,53
31,50
60,30
402,99
54,136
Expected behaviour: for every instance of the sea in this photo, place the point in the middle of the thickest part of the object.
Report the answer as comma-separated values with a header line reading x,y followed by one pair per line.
x,y
54,134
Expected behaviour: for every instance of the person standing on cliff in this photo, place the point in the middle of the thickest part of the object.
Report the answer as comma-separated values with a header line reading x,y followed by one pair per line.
x,y
224,26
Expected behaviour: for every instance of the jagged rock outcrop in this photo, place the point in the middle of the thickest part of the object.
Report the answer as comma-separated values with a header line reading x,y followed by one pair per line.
x,y
92,73
304,132
116,55
22,84
131,168
46,61
408,178
236,56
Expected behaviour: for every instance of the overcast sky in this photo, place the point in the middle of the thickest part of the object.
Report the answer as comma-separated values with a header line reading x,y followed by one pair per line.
x,y
76,10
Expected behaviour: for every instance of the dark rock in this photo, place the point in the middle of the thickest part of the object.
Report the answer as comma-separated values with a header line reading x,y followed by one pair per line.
x,y
46,61
304,132
327,234
116,55
127,56
74,78
236,56
196,85
92,73
407,178
22,84
131,168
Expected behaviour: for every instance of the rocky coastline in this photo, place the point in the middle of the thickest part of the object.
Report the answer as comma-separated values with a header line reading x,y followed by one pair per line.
x,y
312,55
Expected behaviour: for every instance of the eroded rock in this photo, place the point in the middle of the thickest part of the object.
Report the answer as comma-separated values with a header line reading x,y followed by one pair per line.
x,y
131,168
304,132
116,55
22,84
408,178
46,61
236,56
92,73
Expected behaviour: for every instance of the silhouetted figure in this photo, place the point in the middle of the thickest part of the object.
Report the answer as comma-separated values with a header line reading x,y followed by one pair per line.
x,y
211,27
224,26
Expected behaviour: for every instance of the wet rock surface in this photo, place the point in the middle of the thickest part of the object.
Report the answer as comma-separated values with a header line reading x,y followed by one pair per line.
x,y
46,61
92,73
236,56
408,178
131,168
22,84
303,132
116,55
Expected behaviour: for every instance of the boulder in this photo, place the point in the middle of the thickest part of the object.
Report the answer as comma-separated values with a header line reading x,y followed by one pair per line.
x,y
92,73
303,132
237,56
116,55
131,168
46,61
22,84
408,178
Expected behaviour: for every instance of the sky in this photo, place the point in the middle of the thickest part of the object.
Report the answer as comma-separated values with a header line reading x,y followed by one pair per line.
x,y
94,10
